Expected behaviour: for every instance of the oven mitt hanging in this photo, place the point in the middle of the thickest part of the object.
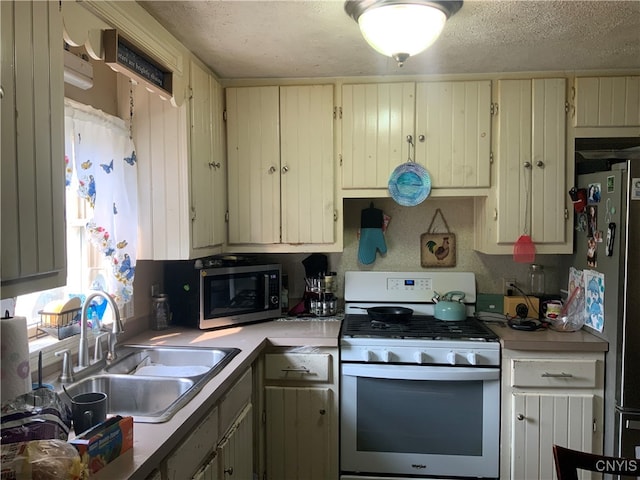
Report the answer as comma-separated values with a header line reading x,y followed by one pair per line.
x,y
371,236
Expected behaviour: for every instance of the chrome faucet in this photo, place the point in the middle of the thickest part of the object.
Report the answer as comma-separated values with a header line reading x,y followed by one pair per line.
x,y
83,351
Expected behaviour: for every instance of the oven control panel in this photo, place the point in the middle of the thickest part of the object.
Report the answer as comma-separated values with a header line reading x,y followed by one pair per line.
x,y
454,353
420,284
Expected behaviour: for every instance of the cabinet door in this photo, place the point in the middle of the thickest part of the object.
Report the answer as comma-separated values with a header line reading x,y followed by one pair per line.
x,y
236,449
307,166
538,422
376,119
253,149
453,132
607,102
208,193
531,179
209,471
32,167
549,215
299,441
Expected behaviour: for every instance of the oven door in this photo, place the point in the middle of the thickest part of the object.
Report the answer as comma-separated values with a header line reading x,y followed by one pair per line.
x,y
420,420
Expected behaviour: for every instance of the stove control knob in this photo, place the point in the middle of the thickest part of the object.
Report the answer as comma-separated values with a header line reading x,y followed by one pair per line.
x,y
367,355
420,357
451,357
471,358
385,356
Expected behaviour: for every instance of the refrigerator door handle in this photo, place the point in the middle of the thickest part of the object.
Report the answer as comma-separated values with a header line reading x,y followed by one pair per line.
x,y
633,425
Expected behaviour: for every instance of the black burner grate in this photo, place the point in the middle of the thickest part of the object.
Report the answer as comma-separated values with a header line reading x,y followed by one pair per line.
x,y
419,326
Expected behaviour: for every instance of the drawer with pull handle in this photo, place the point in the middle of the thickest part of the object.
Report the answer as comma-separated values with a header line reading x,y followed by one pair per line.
x,y
554,373
308,367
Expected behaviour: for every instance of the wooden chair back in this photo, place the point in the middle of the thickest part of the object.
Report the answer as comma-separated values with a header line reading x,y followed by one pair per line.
x,y
568,462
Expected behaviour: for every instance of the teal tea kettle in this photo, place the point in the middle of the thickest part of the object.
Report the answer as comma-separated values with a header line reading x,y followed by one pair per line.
x,y
450,306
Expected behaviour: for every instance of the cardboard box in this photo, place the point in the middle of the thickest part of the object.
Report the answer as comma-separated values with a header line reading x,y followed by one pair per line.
x,y
105,442
511,306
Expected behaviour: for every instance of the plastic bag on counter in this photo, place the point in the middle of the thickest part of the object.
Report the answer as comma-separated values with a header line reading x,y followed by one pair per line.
x,y
38,415
42,460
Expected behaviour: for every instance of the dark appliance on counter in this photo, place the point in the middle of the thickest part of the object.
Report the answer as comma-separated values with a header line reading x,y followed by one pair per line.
x,y
614,169
208,294
420,397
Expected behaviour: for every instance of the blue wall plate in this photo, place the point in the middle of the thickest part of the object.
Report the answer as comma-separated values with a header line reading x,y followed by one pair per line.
x,y
409,184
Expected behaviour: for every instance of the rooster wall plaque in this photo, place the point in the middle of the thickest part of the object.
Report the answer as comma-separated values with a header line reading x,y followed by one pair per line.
x,y
438,249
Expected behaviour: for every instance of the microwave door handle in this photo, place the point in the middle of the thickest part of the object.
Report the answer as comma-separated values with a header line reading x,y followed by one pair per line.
x,y
266,291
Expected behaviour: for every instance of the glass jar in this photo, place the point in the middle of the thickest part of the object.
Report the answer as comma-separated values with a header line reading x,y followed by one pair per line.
x,y
160,312
536,279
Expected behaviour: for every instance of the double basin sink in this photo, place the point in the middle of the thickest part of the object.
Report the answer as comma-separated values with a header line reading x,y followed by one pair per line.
x,y
151,383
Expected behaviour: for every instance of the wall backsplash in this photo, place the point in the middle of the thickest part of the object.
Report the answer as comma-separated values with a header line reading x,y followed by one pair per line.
x,y
403,246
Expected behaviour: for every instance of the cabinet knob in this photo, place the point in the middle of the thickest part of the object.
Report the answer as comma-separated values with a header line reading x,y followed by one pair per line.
x,y
228,470
527,164
214,164
520,417
285,169
540,163
272,169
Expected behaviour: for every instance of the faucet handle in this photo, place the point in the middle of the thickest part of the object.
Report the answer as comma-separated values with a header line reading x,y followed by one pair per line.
x,y
66,376
97,352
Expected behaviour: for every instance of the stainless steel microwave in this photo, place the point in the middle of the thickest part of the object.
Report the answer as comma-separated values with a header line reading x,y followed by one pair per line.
x,y
226,296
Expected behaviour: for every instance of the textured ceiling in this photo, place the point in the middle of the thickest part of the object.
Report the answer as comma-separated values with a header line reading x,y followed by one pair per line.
x,y
316,38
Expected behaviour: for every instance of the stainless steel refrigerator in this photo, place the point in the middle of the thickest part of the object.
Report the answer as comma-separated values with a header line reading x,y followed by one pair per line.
x,y
616,196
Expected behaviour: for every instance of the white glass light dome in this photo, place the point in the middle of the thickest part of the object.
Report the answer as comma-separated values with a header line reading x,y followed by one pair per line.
x,y
401,30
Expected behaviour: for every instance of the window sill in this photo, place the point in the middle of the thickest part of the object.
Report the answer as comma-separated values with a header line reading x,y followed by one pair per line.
x,y
48,345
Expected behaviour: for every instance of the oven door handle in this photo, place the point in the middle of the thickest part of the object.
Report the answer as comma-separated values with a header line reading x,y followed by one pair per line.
x,y
403,372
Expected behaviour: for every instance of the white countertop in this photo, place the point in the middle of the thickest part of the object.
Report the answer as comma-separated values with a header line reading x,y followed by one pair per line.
x,y
549,340
154,441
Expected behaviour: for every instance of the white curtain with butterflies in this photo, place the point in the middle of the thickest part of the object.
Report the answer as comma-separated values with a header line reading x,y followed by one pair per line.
x,y
100,154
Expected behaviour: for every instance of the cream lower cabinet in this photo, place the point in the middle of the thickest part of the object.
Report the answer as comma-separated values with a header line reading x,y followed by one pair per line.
x,y
449,125
301,415
220,446
33,243
607,102
235,452
281,170
530,175
549,398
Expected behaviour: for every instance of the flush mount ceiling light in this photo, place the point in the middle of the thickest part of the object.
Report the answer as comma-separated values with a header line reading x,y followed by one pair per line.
x,y
401,28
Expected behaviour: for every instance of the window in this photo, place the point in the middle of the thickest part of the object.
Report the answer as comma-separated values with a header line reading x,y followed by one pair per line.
x,y
101,212
86,266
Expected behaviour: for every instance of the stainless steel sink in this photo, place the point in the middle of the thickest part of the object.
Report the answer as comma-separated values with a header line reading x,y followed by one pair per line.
x,y
171,361
151,383
147,399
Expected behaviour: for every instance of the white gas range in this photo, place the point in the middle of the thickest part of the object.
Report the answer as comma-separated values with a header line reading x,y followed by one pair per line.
x,y
419,396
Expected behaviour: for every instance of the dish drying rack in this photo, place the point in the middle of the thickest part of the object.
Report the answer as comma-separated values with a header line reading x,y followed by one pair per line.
x,y
60,325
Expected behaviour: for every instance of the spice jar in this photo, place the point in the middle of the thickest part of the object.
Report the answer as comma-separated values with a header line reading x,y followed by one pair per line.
x,y
536,278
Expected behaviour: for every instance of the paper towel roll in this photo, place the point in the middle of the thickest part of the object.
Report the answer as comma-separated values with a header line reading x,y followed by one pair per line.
x,y
15,374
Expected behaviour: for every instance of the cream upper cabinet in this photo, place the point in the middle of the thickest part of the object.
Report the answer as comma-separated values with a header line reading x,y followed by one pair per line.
x,y
208,162
607,102
445,126
33,165
529,195
549,398
181,167
376,120
281,170
453,132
